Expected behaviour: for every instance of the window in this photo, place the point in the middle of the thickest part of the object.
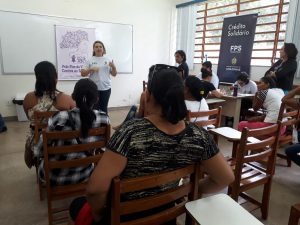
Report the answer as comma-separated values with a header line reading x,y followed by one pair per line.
x,y
269,34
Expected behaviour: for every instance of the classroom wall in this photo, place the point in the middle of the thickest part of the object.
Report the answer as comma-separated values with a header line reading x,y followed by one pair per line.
x,y
151,22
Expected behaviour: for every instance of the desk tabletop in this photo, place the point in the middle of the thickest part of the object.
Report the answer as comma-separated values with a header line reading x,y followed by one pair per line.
x,y
231,134
220,209
238,96
214,100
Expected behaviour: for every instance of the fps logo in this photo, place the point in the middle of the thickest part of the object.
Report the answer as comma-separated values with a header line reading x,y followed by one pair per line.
x,y
235,49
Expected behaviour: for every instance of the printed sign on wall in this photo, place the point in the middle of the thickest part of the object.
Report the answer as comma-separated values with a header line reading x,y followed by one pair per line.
x,y
236,46
74,46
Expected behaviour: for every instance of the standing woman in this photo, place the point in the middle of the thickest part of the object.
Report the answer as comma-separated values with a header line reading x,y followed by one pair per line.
x,y
285,68
99,68
180,58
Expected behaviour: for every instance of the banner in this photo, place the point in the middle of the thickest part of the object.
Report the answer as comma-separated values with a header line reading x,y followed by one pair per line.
x,y
236,46
74,45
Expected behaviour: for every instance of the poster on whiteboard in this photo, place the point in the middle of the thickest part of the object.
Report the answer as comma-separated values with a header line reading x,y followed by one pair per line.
x,y
74,46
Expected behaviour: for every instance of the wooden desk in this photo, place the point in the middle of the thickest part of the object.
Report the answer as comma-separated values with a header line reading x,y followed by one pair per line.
x,y
232,135
232,107
220,209
214,100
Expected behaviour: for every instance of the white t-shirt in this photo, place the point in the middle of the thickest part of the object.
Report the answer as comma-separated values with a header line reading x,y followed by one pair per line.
x,y
250,88
271,102
102,77
195,106
214,79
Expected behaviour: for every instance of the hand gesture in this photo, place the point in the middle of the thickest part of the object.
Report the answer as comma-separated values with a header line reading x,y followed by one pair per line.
x,y
94,69
111,64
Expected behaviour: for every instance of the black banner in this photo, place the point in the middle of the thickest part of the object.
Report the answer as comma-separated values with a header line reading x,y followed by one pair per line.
x,y
236,46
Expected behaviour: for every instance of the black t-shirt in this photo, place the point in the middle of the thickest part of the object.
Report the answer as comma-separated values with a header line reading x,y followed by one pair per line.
x,y
207,87
183,66
284,72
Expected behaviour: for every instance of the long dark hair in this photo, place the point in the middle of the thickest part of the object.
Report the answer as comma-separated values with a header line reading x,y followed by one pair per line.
x,y
168,91
195,87
85,95
46,78
270,81
99,42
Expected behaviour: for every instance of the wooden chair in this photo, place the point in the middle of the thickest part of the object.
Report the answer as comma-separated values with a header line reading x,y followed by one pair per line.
x,y
294,214
67,191
289,119
40,121
247,174
214,120
180,195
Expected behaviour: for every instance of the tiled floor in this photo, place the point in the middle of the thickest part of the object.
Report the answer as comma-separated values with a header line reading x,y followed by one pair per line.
x,y
19,198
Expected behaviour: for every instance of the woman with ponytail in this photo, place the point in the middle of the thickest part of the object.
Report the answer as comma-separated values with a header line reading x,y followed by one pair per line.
x,y
161,141
82,118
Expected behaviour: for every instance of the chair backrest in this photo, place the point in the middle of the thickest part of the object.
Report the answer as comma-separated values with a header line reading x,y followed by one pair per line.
x,y
181,194
294,214
288,120
40,122
50,149
264,149
213,114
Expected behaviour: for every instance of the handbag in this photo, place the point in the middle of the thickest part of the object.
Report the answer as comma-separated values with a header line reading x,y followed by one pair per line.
x,y
29,158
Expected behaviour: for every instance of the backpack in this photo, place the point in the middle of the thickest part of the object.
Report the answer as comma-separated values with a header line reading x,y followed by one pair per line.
x,y
2,124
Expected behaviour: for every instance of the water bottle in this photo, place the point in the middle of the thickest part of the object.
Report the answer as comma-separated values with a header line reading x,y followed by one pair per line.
x,y
235,90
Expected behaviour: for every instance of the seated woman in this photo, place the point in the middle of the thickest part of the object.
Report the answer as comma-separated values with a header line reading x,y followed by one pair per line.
x,y
162,141
269,97
82,118
193,94
245,86
293,151
209,88
46,97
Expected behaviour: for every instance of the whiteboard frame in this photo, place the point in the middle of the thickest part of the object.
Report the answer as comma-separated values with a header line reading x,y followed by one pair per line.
x,y
62,17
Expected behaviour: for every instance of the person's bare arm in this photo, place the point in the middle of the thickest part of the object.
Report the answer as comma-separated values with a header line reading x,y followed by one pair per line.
x,y
111,165
64,102
216,94
292,93
86,72
29,101
219,173
113,71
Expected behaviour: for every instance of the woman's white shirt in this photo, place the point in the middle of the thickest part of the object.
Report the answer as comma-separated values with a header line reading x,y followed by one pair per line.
x,y
196,106
102,77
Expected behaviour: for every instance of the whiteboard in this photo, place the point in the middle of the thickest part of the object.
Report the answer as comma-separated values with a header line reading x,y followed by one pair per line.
x,y
26,39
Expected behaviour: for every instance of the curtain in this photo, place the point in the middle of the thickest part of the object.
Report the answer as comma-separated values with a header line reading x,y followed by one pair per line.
x,y
293,30
186,28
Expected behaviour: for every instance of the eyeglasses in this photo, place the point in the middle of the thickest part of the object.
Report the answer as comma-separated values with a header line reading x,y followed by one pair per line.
x,y
157,68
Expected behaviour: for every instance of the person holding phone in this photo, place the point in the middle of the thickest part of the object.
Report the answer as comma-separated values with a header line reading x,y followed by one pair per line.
x,y
99,68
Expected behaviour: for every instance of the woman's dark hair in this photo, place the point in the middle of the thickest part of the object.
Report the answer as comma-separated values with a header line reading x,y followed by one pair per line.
x,y
243,77
85,95
195,87
99,42
205,73
270,81
182,54
46,78
207,64
291,50
167,88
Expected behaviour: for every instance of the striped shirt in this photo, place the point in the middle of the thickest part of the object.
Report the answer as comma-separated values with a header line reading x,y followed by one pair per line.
x,y
149,150
61,121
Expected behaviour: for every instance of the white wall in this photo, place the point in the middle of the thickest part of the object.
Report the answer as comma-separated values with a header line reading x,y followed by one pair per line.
x,y
151,20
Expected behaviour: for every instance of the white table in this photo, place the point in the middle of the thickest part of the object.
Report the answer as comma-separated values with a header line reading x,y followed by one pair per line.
x,y
220,209
214,100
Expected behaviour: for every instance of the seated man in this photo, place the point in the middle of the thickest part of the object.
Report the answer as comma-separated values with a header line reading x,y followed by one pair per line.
x,y
214,79
209,88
